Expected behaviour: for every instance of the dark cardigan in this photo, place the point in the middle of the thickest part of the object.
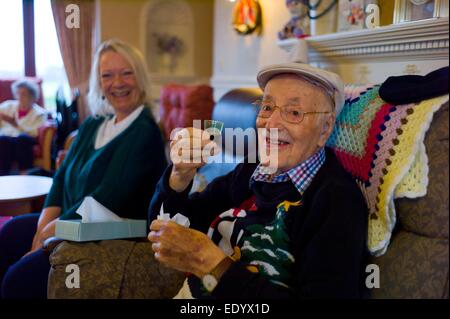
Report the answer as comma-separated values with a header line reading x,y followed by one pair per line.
x,y
327,233
120,175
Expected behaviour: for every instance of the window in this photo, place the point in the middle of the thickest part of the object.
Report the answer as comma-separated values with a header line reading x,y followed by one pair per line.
x,y
12,64
47,55
49,64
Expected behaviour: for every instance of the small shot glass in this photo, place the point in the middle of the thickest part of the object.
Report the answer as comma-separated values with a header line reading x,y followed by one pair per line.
x,y
214,128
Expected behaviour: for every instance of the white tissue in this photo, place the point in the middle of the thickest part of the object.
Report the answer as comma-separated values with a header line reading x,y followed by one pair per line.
x,y
178,218
181,220
92,211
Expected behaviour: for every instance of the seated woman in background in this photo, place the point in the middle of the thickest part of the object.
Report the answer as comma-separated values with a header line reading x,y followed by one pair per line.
x,y
117,158
20,120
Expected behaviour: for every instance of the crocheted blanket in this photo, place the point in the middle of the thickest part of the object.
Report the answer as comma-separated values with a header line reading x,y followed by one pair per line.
x,y
382,146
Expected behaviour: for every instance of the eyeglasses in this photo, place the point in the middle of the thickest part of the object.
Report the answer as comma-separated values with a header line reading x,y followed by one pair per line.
x,y
291,114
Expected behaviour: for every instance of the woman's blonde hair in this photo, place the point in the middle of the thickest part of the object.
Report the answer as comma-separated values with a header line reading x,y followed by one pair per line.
x,y
97,103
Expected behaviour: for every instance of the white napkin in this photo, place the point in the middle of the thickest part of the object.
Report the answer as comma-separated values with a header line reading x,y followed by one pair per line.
x,y
178,218
92,211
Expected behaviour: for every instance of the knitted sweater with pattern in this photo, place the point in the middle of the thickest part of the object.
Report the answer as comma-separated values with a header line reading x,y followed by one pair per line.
x,y
292,246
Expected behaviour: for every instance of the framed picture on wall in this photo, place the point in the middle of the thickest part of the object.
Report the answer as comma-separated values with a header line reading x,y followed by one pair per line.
x,y
413,10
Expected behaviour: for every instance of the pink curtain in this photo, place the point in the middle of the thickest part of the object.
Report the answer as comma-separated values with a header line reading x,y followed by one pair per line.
x,y
77,45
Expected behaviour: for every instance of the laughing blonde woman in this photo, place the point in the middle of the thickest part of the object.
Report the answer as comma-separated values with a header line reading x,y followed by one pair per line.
x,y
117,158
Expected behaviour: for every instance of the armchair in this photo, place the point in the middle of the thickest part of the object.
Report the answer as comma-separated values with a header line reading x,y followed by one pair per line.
x,y
6,93
416,263
43,149
181,104
67,143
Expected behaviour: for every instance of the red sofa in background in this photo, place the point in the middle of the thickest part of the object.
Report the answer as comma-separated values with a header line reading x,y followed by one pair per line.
x,y
181,104
42,150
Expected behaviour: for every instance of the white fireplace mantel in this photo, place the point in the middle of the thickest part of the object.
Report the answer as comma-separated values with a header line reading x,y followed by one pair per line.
x,y
418,40
364,56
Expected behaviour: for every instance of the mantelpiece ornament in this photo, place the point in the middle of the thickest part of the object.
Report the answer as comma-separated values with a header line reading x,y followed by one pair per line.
x,y
425,39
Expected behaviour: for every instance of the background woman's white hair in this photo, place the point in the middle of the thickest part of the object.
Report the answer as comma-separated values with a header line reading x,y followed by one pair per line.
x,y
100,106
30,85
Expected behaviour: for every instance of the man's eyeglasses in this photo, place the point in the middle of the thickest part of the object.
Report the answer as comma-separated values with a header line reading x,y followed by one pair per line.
x,y
291,114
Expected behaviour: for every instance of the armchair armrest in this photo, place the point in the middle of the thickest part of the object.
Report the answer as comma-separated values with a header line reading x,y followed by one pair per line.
x,y
45,138
62,153
51,243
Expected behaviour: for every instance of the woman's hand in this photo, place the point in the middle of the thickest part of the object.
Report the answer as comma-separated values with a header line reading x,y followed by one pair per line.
x,y
184,249
42,235
36,245
188,153
9,119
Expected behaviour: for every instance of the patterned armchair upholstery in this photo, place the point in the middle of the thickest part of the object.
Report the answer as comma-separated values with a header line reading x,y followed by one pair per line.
x,y
416,263
181,104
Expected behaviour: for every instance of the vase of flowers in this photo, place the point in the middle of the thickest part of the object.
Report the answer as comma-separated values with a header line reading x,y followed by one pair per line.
x,y
170,48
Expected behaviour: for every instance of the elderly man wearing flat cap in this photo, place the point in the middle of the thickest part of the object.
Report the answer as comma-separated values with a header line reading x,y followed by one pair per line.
x,y
298,231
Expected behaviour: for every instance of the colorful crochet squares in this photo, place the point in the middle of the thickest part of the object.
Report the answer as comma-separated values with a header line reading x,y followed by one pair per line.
x,y
381,145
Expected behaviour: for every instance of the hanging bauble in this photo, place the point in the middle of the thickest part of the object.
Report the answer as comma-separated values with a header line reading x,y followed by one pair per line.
x,y
247,16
